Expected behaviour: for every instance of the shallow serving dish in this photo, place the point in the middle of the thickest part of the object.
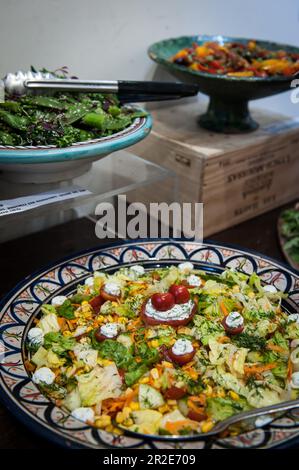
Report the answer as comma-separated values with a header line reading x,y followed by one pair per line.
x,y
47,164
229,96
22,305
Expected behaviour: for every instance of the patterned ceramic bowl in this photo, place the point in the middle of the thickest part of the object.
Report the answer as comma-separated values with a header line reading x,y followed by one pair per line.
x,y
19,309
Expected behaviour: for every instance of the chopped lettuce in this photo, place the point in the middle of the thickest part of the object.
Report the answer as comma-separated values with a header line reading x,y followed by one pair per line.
x,y
135,374
99,384
219,409
72,400
205,330
49,323
66,310
59,343
115,351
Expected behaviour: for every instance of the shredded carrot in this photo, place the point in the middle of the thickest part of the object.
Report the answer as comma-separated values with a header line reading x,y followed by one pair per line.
x,y
134,323
188,365
249,370
29,366
223,339
199,399
62,323
177,426
290,369
71,323
194,407
112,405
131,397
223,309
276,348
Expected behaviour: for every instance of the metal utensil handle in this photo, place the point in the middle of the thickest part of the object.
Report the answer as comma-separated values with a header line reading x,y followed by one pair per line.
x,y
73,85
122,87
156,88
252,414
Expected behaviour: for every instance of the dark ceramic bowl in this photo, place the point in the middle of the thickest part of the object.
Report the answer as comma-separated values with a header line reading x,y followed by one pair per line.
x,y
228,107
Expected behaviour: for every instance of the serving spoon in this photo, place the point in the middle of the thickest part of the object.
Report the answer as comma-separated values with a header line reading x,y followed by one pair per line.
x,y
22,83
239,423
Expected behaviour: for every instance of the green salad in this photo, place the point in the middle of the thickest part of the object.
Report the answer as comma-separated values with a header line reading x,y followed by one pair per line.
x,y
165,351
290,232
63,119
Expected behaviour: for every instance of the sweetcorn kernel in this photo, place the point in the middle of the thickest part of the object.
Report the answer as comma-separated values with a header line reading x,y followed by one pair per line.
x,y
128,422
126,411
193,374
155,343
155,373
67,333
110,428
251,295
171,402
106,362
207,426
234,395
144,380
84,302
119,417
208,391
100,318
134,406
164,408
103,421
157,384
116,431
167,364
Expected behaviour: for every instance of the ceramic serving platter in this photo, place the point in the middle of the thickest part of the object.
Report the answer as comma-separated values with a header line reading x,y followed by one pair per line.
x,y
22,305
48,164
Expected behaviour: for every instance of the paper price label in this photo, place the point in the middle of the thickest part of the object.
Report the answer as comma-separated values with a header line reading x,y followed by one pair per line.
x,y
25,203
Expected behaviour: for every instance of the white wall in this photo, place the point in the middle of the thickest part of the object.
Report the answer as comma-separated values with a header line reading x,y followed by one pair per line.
x,y
108,39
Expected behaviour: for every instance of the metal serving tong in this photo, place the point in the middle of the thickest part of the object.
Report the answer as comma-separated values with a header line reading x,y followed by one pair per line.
x,y
238,424
21,83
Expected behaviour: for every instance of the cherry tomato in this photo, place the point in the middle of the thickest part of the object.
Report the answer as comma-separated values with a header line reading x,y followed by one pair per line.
x,y
232,331
163,302
196,415
164,352
181,359
107,296
153,321
99,336
175,393
121,373
96,303
180,293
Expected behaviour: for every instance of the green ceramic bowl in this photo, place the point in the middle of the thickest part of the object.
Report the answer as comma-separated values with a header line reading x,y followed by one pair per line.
x,y
49,164
228,107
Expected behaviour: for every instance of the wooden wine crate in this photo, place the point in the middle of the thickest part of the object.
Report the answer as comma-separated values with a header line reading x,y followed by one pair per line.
x,y
235,176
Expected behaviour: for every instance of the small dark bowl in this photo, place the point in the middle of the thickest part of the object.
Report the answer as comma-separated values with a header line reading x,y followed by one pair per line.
x,y
228,107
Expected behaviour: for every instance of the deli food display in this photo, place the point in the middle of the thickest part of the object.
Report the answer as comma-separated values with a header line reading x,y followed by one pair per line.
x,y
168,351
